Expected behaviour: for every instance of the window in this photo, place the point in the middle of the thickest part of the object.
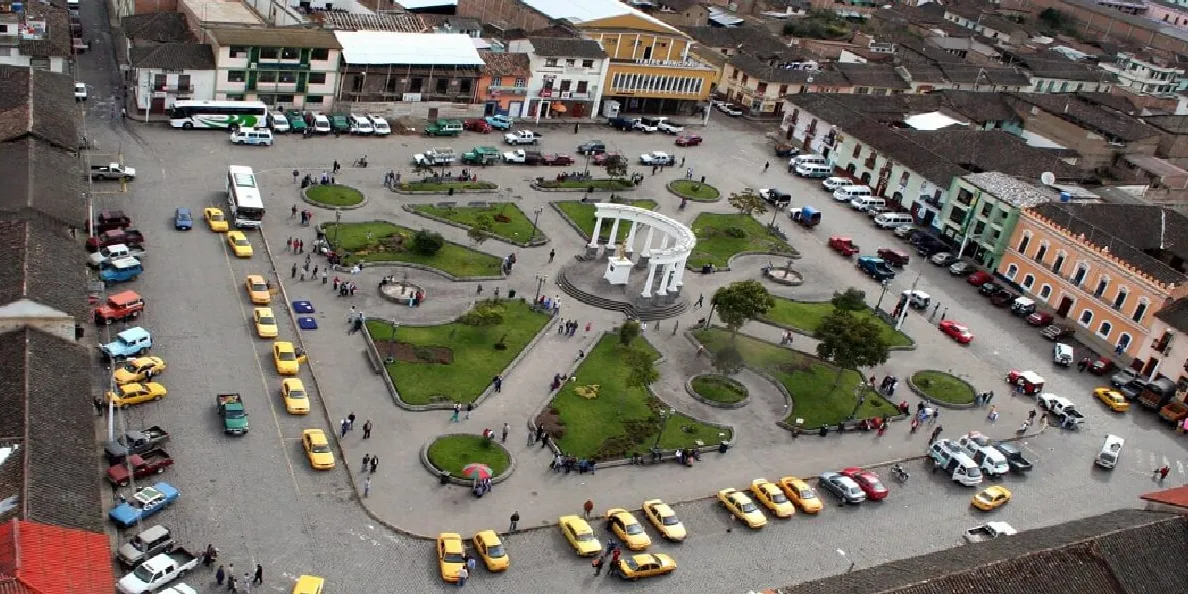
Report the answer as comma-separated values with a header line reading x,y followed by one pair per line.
x,y
319,53
234,96
1026,239
416,85
1041,252
236,76
857,151
1058,263
1045,292
987,208
570,62
313,100
1086,318
464,86
583,86
287,76
1120,298
587,63
496,81
1012,270
1028,282
269,53
1140,311
1123,341
290,53
1104,330
442,86
238,52
267,76
550,62
903,179
1102,284
1079,277
317,78
521,82
284,98
565,82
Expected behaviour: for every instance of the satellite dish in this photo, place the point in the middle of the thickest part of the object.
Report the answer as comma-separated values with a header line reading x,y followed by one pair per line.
x,y
1047,178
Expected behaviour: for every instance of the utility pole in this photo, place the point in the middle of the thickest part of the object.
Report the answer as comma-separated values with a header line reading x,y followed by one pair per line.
x,y
907,305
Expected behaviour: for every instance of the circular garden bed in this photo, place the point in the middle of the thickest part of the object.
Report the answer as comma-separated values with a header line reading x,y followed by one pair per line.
x,y
943,388
694,190
452,453
719,389
334,196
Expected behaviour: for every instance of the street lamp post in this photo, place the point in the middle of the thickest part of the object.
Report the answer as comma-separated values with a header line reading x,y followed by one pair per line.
x,y
586,173
534,221
392,344
886,285
540,281
665,414
860,395
337,221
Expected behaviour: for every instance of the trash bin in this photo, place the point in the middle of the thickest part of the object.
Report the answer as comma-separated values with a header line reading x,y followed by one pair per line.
x,y
707,269
511,293
451,191
443,477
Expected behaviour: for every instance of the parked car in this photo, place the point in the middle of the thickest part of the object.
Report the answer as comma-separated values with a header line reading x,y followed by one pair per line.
x,y
556,159
182,219
894,257
902,231
592,147
1040,318
944,259
832,183
962,268
979,278
731,110
688,140
477,126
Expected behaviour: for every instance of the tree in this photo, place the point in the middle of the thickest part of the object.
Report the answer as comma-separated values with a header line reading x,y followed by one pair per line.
x,y
738,302
480,230
641,372
628,332
849,300
747,202
616,166
728,360
850,342
427,243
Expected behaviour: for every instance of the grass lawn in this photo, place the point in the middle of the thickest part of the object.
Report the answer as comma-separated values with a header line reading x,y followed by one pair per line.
x,y
808,379
334,195
693,190
807,316
475,359
517,228
719,388
720,236
619,420
943,387
454,259
428,186
597,184
582,214
453,452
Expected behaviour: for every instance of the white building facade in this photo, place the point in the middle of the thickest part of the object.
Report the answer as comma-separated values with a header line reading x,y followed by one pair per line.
x,y
568,76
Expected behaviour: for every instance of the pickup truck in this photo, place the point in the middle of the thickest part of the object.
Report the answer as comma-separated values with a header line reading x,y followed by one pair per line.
x,y
129,237
522,156
844,246
112,171
128,343
143,504
556,159
444,128
108,220
144,464
1062,407
113,252
146,545
988,531
435,156
134,442
875,268
153,574
521,137
668,127
233,413
481,155
775,196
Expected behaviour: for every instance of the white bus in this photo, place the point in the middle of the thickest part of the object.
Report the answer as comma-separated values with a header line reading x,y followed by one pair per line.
x,y
243,196
218,114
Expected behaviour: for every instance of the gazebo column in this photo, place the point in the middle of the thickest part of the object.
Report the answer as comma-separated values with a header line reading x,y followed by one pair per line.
x,y
664,279
631,238
592,247
612,240
645,254
647,288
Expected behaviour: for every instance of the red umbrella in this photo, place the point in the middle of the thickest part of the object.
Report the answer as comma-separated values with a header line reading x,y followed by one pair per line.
x,y
476,470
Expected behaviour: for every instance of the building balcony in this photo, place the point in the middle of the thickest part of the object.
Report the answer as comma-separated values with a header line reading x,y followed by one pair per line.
x,y
506,89
682,64
173,89
559,94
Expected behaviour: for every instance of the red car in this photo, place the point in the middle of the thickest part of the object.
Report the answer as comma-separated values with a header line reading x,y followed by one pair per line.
x,y
868,481
477,126
956,330
979,278
688,140
555,159
604,157
1040,318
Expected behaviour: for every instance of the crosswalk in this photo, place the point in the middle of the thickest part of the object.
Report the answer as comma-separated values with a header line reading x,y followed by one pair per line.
x,y
1147,461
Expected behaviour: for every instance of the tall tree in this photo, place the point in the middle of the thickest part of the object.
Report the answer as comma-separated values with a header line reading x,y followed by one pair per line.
x,y
616,166
628,332
641,372
850,341
747,202
738,302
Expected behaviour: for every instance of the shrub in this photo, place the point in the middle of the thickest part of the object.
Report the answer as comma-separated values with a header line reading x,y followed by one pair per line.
x,y
485,313
427,243
735,232
628,332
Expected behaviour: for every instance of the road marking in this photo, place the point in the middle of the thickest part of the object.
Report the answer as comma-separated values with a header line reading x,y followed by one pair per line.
x,y
1179,467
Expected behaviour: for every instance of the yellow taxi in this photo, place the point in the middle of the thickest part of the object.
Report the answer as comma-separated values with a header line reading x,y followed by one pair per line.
x,y
138,369
317,448
801,494
624,525
633,567
490,550
129,394
239,244
1112,398
265,322
580,536
309,584
216,220
258,289
991,498
664,519
295,397
741,506
771,497
285,358
450,555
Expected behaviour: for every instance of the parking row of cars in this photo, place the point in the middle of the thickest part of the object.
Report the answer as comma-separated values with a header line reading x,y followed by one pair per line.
x,y
319,123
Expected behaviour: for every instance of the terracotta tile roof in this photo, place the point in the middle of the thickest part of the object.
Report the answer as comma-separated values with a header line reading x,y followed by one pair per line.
x,y
173,56
1176,316
879,76
278,37
748,39
156,27
765,72
40,104
41,559
56,41
43,179
398,23
1104,121
505,64
561,47
34,266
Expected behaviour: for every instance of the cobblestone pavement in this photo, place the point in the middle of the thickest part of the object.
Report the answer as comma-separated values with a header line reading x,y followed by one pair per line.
x,y
257,500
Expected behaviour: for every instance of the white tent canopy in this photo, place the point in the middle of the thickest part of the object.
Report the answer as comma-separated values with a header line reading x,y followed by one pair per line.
x,y
360,48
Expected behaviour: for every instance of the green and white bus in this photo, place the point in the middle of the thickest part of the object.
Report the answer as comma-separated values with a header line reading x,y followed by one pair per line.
x,y
244,198
219,114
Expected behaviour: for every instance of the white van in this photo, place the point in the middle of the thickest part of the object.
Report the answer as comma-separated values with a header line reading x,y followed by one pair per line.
x,y
1062,354
361,125
278,122
892,220
256,136
868,203
1110,450
319,122
379,125
806,159
813,171
948,457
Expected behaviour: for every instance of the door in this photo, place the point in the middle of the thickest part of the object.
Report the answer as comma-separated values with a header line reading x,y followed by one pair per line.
x,y
515,108
1149,367
158,105
490,107
1066,304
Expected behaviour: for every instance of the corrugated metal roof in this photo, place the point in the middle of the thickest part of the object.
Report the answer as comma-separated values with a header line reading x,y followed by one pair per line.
x,y
386,47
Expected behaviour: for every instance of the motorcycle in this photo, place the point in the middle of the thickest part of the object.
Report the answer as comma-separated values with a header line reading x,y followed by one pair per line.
x,y
899,473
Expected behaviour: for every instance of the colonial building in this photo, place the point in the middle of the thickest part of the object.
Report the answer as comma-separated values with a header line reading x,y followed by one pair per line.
x,y
281,67
568,76
1110,279
1146,76
35,36
503,84
166,73
982,210
1096,131
382,66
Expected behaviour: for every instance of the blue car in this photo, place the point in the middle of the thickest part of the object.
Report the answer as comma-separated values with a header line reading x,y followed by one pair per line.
x,y
128,343
143,504
499,122
183,221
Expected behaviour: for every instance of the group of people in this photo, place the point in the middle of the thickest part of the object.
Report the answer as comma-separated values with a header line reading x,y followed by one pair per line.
x,y
687,456
888,386
569,464
481,487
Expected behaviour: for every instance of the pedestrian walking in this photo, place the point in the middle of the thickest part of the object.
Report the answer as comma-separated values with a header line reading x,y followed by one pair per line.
x,y
259,577
588,507
293,212
934,417
366,461
597,563
700,301
457,411
515,521
367,429
293,272
1161,472
463,574
374,463
469,409
351,419
1043,423
296,174
367,486
540,432
231,584
498,383
552,254
220,575
343,428
247,583
766,166
98,407
506,430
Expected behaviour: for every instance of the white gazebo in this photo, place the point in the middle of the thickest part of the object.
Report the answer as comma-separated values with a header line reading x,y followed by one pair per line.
x,y
676,242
